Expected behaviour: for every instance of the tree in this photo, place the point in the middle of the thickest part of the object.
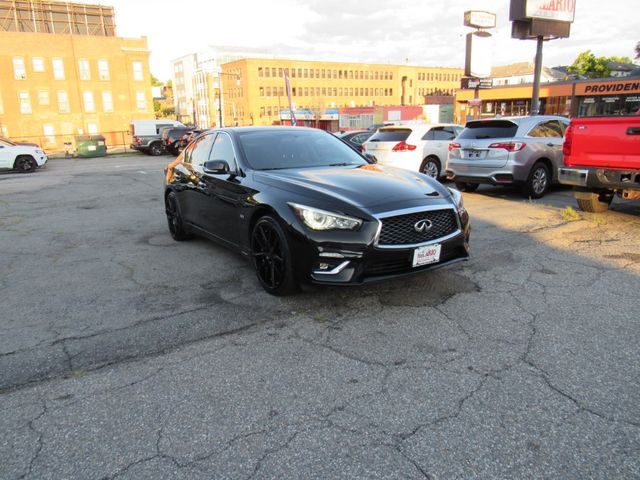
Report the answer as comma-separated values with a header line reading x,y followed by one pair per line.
x,y
155,82
616,59
590,66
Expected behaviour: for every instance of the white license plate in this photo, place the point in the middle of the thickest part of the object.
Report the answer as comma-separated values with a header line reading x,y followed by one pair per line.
x,y
427,254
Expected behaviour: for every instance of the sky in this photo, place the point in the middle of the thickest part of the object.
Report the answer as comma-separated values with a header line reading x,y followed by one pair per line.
x,y
417,32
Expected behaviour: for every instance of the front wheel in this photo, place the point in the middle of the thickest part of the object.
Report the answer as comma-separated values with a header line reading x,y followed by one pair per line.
x,y
25,164
272,257
431,167
538,181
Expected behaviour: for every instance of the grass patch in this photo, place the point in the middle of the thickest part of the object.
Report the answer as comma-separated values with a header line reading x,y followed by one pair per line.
x,y
570,215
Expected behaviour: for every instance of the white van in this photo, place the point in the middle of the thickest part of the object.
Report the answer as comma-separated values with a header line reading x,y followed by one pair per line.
x,y
146,135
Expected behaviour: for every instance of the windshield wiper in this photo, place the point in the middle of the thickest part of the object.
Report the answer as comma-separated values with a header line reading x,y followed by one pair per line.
x,y
343,164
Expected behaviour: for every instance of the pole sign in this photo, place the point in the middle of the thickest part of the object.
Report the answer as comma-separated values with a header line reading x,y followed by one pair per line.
x,y
557,10
478,19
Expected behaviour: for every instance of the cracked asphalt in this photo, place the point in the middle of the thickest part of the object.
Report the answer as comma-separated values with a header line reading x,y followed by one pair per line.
x,y
126,355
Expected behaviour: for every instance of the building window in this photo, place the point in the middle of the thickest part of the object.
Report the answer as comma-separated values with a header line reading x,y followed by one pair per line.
x,y
107,102
19,72
260,74
103,70
141,100
38,64
92,128
273,72
43,97
268,92
261,90
299,73
137,71
83,68
89,105
58,68
25,102
63,102
267,72
280,72
49,134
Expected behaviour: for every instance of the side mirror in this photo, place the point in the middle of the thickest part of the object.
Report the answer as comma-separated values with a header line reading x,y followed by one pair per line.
x,y
216,167
370,158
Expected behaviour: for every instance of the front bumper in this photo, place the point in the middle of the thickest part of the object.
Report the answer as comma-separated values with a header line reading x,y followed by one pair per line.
x,y
340,264
600,179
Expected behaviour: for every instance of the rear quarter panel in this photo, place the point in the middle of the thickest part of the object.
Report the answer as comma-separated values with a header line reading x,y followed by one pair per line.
x,y
605,142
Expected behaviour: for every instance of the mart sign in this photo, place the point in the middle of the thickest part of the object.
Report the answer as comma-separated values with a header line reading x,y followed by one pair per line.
x,y
557,10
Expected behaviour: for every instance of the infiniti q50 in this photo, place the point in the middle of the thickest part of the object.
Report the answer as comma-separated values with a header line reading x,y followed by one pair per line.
x,y
306,208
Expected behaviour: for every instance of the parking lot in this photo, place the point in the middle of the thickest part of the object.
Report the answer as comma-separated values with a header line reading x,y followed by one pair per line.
x,y
124,354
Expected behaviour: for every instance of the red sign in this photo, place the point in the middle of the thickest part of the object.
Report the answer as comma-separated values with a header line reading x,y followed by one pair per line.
x,y
558,10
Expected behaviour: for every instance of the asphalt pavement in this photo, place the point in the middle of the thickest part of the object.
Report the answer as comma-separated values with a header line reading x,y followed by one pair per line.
x,y
124,354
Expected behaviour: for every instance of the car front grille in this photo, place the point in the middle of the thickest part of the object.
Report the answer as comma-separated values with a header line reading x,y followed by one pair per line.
x,y
400,230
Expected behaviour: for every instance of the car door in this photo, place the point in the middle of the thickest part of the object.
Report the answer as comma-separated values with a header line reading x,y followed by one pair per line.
x,y
549,137
6,155
222,195
189,176
437,142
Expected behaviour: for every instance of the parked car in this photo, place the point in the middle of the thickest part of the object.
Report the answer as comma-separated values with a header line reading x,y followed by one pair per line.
x,y
146,135
416,147
602,159
355,138
188,137
171,138
305,207
524,151
23,158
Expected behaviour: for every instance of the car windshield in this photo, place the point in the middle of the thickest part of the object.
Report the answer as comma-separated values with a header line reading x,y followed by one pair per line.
x,y
492,129
390,135
295,148
7,143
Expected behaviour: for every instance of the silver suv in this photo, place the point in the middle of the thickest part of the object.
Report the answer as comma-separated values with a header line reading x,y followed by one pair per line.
x,y
524,151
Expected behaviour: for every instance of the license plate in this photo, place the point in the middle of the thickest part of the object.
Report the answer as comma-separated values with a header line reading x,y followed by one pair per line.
x,y
427,254
473,154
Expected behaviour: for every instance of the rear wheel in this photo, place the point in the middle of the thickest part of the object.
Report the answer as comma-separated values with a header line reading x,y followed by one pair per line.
x,y
25,164
272,258
538,181
174,219
466,186
155,149
593,202
431,166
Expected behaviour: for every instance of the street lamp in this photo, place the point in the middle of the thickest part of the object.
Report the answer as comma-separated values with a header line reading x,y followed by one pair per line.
x,y
220,107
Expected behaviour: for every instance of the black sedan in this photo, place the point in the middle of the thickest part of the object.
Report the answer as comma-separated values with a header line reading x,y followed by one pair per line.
x,y
304,207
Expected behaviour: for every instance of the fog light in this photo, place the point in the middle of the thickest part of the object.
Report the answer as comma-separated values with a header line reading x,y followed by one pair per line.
x,y
324,266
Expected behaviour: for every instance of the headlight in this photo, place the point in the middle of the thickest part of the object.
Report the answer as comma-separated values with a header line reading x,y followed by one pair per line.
x,y
317,219
457,199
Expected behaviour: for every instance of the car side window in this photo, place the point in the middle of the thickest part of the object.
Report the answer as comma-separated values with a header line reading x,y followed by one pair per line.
x,y
430,135
445,134
201,149
223,150
359,139
547,129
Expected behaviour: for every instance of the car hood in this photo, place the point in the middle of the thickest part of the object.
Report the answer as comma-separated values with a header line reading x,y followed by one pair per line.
x,y
364,186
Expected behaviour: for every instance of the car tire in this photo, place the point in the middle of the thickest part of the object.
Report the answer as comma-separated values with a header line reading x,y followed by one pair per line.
x,y
595,202
174,218
466,186
431,167
272,258
155,149
25,164
538,181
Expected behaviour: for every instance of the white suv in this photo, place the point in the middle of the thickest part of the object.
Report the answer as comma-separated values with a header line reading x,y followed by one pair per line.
x,y
23,158
418,147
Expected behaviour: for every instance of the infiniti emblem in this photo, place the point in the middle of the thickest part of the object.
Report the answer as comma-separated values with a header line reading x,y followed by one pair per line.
x,y
422,226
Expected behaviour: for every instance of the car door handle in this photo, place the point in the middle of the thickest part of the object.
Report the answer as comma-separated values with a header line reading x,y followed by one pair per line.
x,y
633,131
552,145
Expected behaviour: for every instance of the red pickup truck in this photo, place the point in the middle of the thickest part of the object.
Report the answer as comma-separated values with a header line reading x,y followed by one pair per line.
x,y
602,159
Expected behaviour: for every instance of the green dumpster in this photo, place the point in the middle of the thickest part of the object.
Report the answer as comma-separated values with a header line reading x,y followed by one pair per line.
x,y
91,146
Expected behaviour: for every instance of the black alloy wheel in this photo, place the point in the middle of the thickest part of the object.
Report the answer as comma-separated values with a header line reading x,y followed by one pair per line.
x,y
155,149
466,186
174,219
431,167
272,258
25,164
538,181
